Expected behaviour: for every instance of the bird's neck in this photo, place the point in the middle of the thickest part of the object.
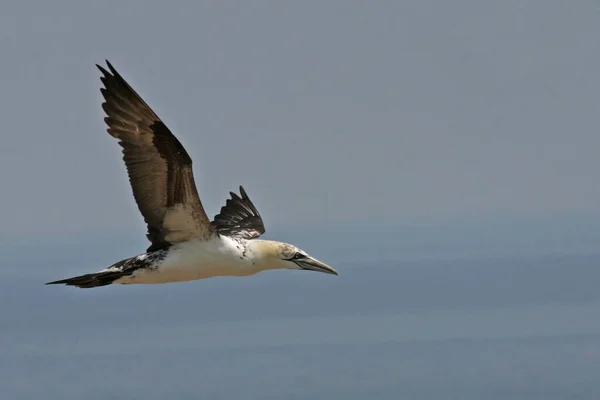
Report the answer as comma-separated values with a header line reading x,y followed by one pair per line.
x,y
253,252
246,252
263,255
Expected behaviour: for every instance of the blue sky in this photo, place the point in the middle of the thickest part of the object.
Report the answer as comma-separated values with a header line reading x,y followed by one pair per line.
x,y
336,113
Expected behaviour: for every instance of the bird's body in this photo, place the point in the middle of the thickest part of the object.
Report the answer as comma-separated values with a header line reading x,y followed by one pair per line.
x,y
192,260
185,244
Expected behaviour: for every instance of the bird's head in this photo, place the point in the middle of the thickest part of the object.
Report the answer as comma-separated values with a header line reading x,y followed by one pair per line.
x,y
277,255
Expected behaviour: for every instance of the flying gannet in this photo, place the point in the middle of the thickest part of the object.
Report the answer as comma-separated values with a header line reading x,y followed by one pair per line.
x,y
185,244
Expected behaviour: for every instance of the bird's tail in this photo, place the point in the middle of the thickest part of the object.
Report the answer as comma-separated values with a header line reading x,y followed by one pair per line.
x,y
96,279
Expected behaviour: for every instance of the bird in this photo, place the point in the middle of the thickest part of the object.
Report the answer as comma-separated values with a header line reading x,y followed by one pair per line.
x,y
184,244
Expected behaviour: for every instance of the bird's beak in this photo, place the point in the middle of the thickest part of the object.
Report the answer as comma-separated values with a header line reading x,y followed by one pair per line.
x,y
311,264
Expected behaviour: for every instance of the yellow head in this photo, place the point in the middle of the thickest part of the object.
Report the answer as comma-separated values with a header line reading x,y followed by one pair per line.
x,y
269,254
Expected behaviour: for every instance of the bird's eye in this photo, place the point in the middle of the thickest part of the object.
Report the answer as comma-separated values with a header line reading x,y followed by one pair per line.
x,y
298,255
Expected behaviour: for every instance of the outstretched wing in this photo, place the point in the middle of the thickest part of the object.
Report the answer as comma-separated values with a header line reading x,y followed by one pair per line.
x,y
239,218
159,168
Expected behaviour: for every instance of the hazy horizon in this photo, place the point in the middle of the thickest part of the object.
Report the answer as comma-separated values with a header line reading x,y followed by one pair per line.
x,y
442,156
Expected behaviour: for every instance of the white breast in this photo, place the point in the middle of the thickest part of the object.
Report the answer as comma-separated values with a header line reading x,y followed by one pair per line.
x,y
193,260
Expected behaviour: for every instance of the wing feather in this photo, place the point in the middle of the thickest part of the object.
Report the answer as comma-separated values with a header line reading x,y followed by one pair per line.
x,y
239,218
159,168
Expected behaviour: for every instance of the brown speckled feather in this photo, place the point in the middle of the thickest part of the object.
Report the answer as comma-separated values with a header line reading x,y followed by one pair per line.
x,y
159,168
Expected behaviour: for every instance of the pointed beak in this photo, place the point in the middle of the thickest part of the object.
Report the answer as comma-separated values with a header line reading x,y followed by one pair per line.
x,y
311,264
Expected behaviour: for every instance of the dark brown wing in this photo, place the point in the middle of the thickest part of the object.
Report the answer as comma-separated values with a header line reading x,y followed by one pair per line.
x,y
159,168
239,218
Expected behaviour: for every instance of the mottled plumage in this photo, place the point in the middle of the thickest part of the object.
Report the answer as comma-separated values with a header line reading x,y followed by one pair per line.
x,y
184,243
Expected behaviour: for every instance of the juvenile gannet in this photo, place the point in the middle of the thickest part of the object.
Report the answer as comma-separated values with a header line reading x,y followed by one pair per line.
x,y
185,245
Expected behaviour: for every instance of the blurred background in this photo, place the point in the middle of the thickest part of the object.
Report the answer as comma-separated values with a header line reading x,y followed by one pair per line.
x,y
442,156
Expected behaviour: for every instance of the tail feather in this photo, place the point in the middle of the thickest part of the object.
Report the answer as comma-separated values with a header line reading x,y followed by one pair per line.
x,y
96,279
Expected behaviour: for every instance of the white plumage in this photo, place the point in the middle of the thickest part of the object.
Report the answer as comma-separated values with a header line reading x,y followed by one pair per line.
x,y
185,244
